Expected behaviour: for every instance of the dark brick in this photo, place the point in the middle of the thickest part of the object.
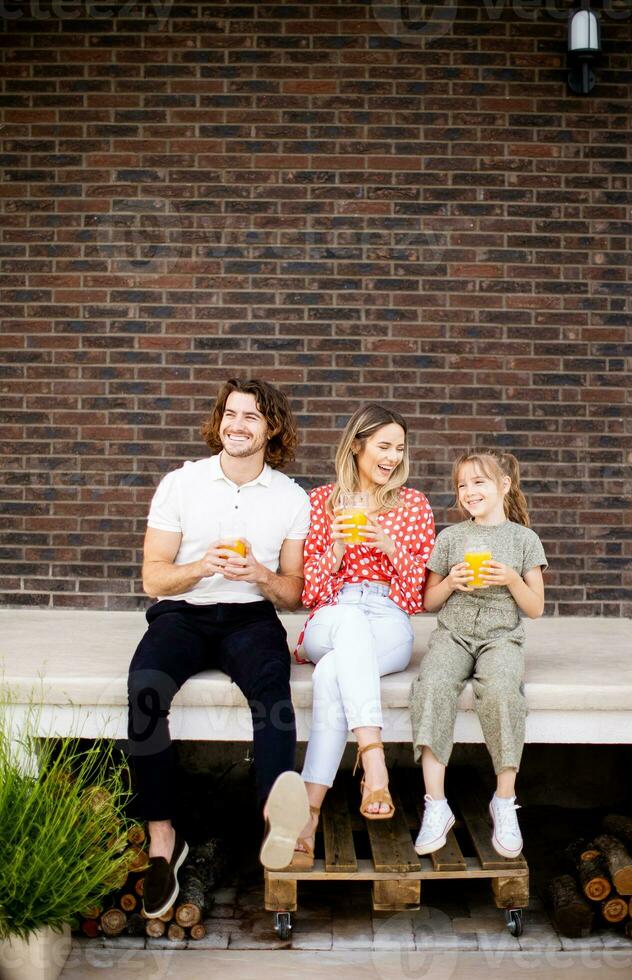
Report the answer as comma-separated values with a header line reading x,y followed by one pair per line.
x,y
462,258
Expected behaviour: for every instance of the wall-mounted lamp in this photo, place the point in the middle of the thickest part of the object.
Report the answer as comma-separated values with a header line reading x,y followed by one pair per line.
x,y
584,44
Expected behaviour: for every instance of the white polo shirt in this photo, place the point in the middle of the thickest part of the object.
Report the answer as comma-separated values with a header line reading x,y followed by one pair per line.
x,y
193,500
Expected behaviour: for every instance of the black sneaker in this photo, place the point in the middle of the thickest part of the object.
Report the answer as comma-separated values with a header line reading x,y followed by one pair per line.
x,y
161,881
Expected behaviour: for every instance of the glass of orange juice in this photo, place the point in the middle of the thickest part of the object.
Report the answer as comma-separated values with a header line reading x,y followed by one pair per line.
x,y
232,535
475,555
354,510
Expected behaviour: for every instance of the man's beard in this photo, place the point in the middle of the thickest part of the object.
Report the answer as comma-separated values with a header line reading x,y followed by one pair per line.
x,y
248,449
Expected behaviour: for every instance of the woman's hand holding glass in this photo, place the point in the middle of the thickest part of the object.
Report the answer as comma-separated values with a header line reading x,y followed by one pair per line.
x,y
375,536
341,531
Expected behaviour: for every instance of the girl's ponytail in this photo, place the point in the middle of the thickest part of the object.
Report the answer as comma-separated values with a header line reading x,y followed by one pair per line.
x,y
515,503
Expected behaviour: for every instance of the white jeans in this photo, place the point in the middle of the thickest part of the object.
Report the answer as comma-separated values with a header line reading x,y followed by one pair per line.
x,y
353,643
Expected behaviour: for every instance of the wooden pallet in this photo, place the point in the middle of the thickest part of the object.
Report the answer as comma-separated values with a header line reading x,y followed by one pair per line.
x,y
393,867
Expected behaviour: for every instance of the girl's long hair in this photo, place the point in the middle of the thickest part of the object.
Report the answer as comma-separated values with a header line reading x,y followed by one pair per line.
x,y
495,464
360,426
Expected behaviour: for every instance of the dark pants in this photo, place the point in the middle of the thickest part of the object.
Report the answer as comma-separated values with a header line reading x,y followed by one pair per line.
x,y
244,640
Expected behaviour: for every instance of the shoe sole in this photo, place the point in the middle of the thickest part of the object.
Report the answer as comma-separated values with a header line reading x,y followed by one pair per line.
x,y
288,812
503,851
436,845
174,894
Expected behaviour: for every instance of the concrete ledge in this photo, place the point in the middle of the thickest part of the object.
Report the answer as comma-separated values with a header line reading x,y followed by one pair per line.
x,y
578,679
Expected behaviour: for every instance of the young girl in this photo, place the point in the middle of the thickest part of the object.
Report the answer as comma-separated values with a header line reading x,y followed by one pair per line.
x,y
361,596
479,635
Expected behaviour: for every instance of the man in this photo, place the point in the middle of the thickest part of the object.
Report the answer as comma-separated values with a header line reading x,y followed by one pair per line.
x,y
216,608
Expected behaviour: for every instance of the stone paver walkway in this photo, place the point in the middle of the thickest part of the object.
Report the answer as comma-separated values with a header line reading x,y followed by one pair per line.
x,y
338,916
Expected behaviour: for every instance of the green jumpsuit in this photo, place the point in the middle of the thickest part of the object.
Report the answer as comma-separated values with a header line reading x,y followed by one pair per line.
x,y
479,635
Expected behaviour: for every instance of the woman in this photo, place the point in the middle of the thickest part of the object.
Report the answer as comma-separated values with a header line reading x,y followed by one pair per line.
x,y
361,597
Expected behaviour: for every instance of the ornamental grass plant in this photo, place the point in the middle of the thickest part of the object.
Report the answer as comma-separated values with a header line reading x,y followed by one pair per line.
x,y
62,827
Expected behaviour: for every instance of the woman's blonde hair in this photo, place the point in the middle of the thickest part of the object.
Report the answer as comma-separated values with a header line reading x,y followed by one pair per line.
x,y
364,423
495,464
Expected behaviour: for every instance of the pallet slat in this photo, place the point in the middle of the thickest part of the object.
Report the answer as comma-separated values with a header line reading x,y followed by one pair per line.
x,y
391,845
337,833
366,872
450,857
477,821
395,870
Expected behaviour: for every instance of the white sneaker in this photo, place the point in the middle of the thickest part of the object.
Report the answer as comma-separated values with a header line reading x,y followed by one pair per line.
x,y
437,821
506,839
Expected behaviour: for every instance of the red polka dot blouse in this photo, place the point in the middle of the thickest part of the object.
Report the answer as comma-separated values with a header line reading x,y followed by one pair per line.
x,y
410,526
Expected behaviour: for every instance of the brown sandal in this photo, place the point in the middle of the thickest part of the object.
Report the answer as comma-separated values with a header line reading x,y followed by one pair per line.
x,y
304,860
376,795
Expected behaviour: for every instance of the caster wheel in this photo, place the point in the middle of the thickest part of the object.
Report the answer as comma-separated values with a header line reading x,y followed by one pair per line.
x,y
283,924
513,918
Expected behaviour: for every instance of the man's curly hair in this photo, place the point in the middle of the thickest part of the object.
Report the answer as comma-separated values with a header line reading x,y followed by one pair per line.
x,y
275,408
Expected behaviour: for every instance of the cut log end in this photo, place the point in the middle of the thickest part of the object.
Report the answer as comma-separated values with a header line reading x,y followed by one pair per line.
x,y
597,889
618,860
136,834
188,915
155,928
615,909
113,922
128,902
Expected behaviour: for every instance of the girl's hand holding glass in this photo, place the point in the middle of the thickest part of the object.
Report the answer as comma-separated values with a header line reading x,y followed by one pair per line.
x,y
495,573
461,576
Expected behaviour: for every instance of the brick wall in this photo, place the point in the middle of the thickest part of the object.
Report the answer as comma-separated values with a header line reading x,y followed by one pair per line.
x,y
412,210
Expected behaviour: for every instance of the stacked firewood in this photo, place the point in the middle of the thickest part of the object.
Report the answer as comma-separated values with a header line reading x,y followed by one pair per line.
x,y
121,913
597,889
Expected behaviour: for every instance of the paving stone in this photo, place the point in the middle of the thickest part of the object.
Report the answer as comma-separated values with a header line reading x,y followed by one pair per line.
x,y
352,931
447,943
165,943
313,903
312,933
497,941
586,942
394,931
249,901
480,923
613,939
217,934
434,931
539,933
124,942
256,932
539,939
225,896
222,912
